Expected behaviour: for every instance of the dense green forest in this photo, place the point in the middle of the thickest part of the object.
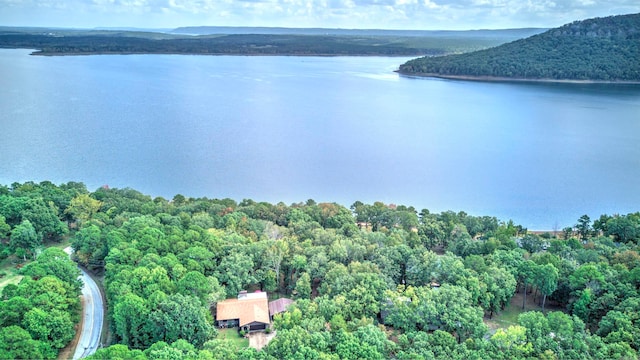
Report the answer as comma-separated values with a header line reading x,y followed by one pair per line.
x,y
372,281
85,42
602,49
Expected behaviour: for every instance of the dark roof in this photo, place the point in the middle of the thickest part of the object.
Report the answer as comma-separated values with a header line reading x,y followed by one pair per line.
x,y
278,306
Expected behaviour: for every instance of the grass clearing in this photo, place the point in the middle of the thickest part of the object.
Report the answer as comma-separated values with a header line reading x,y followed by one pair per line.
x,y
233,336
8,268
10,278
509,316
9,265
62,244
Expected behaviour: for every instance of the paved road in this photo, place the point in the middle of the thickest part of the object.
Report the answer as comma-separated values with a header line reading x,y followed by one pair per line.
x,y
93,316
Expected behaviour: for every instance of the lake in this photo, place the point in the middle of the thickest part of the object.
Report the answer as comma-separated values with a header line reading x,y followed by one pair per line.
x,y
335,129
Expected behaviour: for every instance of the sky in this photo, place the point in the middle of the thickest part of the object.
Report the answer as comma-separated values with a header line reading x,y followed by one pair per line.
x,y
348,14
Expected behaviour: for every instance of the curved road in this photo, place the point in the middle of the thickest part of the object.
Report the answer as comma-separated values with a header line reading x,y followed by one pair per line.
x,y
92,314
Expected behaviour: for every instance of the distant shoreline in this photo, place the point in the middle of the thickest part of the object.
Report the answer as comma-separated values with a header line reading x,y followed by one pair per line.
x,y
507,79
45,53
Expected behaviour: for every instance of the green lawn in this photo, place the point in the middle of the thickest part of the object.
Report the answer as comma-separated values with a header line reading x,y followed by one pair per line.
x,y
233,336
62,244
8,265
509,316
8,268
10,278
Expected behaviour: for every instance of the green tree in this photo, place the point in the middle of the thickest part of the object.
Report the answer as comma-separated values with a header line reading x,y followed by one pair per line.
x,y
512,343
117,351
49,293
547,281
360,284
5,229
584,227
195,284
303,286
54,261
82,208
180,317
295,343
367,342
236,271
457,314
53,327
619,327
222,349
45,220
448,308
532,243
12,310
24,240
88,245
130,317
17,343
538,330
401,308
587,275
274,254
582,306
527,272
623,228
501,285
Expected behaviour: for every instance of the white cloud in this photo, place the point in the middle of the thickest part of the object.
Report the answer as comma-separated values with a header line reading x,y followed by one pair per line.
x,y
410,14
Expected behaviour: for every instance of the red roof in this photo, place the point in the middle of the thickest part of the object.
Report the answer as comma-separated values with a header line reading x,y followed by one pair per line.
x,y
246,310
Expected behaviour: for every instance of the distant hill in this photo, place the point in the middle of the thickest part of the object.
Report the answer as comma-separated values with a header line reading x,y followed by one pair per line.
x,y
512,34
599,49
255,41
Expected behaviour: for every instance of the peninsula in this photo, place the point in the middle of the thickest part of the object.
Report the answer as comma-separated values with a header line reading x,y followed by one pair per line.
x,y
594,50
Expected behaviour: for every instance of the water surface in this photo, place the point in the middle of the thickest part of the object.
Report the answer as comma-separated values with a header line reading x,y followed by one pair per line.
x,y
332,129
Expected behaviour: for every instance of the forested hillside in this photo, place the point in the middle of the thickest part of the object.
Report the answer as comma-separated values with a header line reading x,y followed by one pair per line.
x,y
262,41
373,281
600,49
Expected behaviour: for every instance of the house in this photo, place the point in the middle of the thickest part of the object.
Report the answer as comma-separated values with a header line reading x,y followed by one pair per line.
x,y
250,311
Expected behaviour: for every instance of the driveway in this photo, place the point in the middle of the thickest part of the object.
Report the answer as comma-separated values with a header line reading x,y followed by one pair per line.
x,y
259,339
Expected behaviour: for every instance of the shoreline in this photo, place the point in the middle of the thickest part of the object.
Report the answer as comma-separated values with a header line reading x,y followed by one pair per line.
x,y
40,53
507,79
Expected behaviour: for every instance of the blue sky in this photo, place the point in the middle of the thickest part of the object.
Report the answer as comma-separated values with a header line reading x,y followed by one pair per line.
x,y
360,14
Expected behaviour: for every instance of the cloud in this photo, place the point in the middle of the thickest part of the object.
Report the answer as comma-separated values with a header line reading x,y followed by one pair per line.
x,y
399,14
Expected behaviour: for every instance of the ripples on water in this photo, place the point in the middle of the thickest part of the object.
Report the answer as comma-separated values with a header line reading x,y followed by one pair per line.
x,y
332,129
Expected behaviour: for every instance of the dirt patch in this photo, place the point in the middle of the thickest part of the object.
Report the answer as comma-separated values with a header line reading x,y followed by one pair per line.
x,y
258,340
535,304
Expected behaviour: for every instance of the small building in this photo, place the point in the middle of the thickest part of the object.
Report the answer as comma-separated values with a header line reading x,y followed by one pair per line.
x,y
250,311
279,306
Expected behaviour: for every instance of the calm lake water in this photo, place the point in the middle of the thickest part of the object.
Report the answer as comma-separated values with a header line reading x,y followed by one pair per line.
x,y
331,129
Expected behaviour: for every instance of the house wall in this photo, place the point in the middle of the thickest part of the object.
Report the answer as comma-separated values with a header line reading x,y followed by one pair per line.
x,y
228,323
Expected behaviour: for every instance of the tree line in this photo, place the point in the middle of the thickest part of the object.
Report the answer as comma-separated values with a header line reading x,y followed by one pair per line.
x,y
259,44
39,314
371,281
